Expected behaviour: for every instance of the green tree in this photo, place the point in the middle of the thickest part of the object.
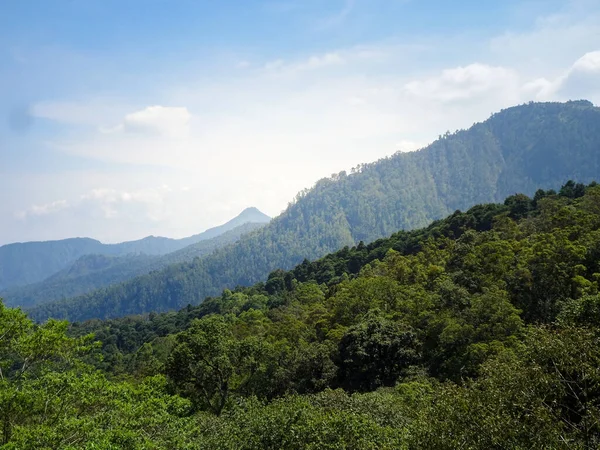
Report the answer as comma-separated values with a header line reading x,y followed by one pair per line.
x,y
376,353
208,363
28,355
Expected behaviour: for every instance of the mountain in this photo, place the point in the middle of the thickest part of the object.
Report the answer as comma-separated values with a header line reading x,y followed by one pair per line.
x,y
520,149
95,271
539,245
26,263
249,215
478,332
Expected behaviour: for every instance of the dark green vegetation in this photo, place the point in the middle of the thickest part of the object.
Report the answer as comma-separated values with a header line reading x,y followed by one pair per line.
x,y
91,272
480,331
516,150
31,262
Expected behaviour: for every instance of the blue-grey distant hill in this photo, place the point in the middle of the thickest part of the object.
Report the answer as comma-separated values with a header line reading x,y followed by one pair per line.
x,y
31,262
94,271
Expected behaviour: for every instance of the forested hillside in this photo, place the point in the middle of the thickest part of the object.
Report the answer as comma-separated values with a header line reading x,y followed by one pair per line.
x,y
21,264
29,262
516,150
91,272
480,331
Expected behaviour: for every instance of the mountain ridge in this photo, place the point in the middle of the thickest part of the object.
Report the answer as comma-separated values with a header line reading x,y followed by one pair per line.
x,y
92,271
519,149
23,263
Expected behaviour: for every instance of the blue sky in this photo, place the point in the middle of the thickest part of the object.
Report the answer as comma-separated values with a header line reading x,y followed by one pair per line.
x,y
129,118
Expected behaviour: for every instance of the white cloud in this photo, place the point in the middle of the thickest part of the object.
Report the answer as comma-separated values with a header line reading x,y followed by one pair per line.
x,y
105,203
363,56
113,214
156,120
279,66
540,89
42,210
581,80
464,83
315,62
151,203
170,122
588,63
553,42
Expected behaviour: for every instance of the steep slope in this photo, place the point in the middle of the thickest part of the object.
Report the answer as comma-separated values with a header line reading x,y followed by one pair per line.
x,y
521,149
29,262
94,271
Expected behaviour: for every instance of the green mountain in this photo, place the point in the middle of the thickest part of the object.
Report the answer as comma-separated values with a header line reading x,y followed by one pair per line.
x,y
537,258
91,272
480,332
26,263
520,149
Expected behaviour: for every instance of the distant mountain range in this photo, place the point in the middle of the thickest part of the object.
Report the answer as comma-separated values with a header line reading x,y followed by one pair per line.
x,y
30,262
520,149
94,271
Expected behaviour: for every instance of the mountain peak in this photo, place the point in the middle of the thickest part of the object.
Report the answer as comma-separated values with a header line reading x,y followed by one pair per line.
x,y
248,215
253,214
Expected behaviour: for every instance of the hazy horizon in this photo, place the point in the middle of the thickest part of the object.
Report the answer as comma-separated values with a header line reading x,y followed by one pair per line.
x,y
147,236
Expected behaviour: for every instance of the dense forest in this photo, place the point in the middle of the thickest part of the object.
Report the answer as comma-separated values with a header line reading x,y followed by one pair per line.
x,y
93,271
516,150
25,263
479,331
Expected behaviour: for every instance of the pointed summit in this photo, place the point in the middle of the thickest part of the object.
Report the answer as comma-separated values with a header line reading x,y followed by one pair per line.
x,y
251,214
248,215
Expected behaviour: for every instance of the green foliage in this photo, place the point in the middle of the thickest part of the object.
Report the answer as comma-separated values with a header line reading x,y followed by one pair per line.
x,y
479,331
208,364
543,395
31,358
462,288
376,353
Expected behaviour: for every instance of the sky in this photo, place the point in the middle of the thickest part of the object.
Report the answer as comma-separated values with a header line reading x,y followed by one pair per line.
x,y
126,118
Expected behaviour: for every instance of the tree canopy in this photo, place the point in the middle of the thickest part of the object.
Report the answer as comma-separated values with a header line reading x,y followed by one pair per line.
x,y
479,331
